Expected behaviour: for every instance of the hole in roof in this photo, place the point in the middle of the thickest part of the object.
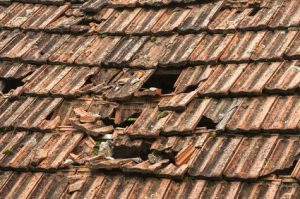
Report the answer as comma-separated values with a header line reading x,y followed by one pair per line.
x,y
89,79
50,116
132,152
10,84
286,171
207,123
130,120
254,11
164,81
191,88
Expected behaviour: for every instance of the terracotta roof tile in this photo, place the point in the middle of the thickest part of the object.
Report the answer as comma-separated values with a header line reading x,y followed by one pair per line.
x,y
149,99
36,150
15,70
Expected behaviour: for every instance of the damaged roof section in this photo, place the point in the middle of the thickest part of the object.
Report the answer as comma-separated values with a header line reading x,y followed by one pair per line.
x,y
72,81
208,155
241,79
149,99
257,114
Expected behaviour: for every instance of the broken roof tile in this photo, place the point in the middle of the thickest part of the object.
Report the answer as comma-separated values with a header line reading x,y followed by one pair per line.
x,y
148,124
259,18
230,156
220,111
235,98
186,121
191,77
126,83
177,102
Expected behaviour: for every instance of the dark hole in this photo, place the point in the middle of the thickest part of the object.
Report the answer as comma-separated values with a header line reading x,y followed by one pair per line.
x,y
50,115
130,120
132,152
165,82
85,22
11,84
254,11
109,121
191,88
207,122
89,80
287,171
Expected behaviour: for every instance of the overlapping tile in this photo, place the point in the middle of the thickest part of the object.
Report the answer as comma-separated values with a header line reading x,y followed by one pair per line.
x,y
29,113
134,50
100,185
234,101
211,156
240,79
22,150
13,70
31,16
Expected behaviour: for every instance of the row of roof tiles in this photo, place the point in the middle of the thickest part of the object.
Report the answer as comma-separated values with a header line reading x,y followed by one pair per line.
x,y
120,84
24,150
74,184
241,79
213,156
148,52
211,17
180,115
268,114
73,81
44,114
10,70
207,155
96,5
46,2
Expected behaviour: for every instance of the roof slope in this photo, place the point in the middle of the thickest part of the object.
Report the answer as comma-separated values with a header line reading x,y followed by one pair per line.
x,y
164,99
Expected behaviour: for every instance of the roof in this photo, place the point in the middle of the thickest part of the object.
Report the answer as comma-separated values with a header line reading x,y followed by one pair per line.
x,y
149,99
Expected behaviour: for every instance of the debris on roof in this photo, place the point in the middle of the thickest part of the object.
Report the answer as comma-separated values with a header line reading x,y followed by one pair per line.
x,y
149,99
